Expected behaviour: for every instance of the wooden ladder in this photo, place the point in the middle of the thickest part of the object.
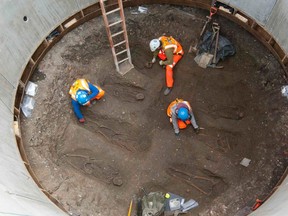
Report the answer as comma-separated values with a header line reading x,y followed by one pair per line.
x,y
118,39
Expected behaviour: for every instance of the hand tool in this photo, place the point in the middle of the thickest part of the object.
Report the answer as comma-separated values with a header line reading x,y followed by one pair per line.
x,y
194,48
130,208
214,61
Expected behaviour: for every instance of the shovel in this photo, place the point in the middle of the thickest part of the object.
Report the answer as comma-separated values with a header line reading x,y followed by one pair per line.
x,y
207,59
214,61
194,49
204,59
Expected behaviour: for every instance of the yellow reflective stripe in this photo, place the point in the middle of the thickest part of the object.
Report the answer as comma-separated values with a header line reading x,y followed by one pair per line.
x,y
99,89
71,92
180,52
84,84
172,65
171,46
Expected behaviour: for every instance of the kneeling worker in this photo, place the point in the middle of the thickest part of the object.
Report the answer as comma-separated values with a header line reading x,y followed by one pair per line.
x,y
181,115
83,93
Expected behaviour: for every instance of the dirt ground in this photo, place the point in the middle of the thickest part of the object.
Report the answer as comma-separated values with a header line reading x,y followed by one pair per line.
x,y
126,144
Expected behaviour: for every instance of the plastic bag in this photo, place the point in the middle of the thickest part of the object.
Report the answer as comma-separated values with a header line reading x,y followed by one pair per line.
x,y
284,91
31,89
27,105
225,47
142,9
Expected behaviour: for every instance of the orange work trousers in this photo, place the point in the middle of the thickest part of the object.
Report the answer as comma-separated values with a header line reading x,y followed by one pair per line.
x,y
182,124
169,71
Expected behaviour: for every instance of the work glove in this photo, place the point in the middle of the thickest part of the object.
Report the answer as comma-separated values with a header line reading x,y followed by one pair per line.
x,y
153,60
82,120
161,62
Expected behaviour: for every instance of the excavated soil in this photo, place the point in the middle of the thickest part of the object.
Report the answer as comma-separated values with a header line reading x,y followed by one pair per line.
x,y
126,144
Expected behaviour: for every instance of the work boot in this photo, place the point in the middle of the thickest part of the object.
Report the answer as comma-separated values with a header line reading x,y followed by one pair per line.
x,y
167,91
197,130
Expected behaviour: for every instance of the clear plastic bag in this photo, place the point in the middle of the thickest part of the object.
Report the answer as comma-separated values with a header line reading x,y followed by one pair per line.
x,y
284,91
27,105
142,9
31,89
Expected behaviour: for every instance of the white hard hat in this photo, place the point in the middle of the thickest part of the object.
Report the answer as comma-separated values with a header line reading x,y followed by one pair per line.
x,y
154,44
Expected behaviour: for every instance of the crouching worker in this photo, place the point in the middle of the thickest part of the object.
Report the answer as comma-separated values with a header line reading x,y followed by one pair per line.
x,y
181,115
83,93
170,52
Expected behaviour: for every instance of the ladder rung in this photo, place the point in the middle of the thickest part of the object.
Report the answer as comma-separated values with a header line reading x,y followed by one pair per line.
x,y
115,23
112,11
119,62
121,52
122,42
118,33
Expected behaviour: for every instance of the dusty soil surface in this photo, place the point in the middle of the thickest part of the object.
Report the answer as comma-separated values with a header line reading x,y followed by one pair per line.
x,y
126,144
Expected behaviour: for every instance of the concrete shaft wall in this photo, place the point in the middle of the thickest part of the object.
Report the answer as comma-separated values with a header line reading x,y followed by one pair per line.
x,y
271,14
24,27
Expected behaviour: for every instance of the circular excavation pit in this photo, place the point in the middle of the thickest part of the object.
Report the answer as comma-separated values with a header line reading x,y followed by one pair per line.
x,y
127,142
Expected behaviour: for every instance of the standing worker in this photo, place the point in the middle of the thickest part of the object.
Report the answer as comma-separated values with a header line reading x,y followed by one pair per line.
x,y
181,115
170,52
83,93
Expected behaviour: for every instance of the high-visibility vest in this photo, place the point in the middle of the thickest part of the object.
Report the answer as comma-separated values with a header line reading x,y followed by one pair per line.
x,y
79,84
176,102
170,42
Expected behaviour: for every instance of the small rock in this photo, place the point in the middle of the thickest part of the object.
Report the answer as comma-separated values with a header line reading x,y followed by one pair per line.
x,y
117,181
140,96
245,162
240,115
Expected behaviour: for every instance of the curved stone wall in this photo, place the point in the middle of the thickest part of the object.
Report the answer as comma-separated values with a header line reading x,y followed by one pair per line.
x,y
25,26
